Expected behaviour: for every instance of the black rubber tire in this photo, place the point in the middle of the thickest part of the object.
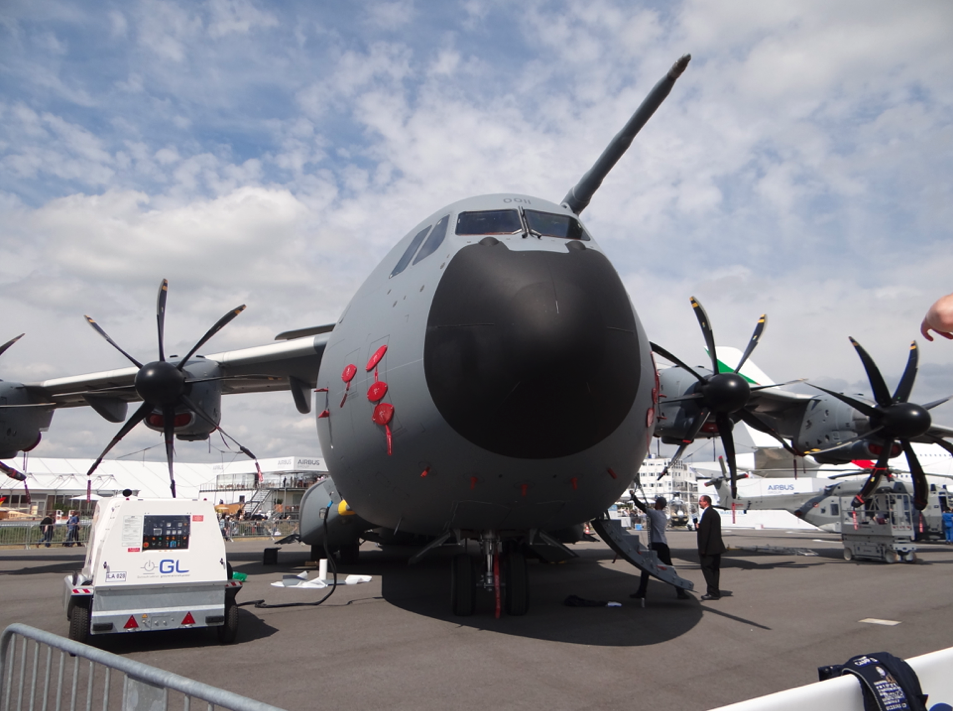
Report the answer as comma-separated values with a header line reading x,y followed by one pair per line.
x,y
228,571
349,554
228,633
79,624
462,586
516,584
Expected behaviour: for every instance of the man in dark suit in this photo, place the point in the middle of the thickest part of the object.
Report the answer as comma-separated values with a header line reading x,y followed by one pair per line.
x,y
710,547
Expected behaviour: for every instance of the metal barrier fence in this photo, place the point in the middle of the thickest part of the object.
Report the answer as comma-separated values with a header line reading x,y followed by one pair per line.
x,y
39,679
29,535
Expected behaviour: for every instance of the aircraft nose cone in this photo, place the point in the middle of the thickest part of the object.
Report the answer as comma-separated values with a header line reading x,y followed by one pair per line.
x,y
532,354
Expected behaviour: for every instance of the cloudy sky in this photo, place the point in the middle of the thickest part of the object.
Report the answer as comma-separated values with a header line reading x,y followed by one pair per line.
x,y
271,153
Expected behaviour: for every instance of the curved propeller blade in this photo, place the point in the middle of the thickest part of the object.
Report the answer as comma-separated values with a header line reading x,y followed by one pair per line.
x,y
110,341
705,324
219,325
940,441
876,474
877,384
137,417
665,354
9,343
756,423
838,445
160,315
168,429
937,403
863,407
725,426
758,330
700,419
921,487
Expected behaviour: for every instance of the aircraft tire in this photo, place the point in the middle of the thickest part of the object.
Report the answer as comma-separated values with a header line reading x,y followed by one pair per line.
x,y
79,624
349,554
228,632
462,586
516,580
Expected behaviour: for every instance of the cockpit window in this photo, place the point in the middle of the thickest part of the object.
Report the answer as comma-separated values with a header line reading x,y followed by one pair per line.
x,y
434,240
489,222
550,225
410,251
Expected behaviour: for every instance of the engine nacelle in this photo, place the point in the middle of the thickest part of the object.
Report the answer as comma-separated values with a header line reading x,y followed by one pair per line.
x,y
21,420
674,420
326,516
828,421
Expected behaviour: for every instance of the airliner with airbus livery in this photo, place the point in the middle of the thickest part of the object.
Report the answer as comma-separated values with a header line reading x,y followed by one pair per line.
x,y
490,381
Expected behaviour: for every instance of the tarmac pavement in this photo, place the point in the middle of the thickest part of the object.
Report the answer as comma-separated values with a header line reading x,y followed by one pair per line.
x,y
393,643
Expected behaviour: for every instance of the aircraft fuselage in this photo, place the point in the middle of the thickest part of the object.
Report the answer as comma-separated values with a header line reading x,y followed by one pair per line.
x,y
487,375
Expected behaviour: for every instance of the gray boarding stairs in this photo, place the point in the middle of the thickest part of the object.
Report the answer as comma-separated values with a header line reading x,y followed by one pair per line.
x,y
629,547
40,671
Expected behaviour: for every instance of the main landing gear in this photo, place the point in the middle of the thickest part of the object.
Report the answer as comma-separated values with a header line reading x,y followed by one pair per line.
x,y
500,570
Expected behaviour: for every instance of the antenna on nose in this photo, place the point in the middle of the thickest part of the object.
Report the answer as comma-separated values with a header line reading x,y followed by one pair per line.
x,y
578,197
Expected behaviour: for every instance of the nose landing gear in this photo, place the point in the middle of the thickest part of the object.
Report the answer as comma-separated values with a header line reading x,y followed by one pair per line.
x,y
501,570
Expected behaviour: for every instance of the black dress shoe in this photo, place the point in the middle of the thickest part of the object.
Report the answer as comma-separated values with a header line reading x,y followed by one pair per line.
x,y
711,597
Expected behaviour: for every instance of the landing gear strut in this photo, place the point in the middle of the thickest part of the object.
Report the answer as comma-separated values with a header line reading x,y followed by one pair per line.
x,y
502,572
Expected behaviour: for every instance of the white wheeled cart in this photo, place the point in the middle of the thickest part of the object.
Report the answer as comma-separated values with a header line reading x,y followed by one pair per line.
x,y
882,529
152,564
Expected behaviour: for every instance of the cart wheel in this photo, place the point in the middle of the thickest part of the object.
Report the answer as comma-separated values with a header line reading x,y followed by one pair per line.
x,y
848,555
911,557
891,556
228,633
79,624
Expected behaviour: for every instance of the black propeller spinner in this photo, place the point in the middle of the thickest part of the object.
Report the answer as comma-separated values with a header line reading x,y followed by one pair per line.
x,y
161,384
892,420
720,394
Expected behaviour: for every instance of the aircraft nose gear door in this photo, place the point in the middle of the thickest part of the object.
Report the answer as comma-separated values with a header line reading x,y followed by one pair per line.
x,y
501,571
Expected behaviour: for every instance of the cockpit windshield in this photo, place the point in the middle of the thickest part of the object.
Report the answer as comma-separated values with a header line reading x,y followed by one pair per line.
x,y
489,222
551,225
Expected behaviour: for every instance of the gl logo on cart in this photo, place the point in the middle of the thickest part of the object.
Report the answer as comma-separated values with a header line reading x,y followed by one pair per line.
x,y
170,566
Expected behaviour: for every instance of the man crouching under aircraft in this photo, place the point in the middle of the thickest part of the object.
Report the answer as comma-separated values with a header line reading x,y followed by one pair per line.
x,y
657,542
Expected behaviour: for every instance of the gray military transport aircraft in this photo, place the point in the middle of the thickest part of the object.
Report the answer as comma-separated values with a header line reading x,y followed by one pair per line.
x,y
489,381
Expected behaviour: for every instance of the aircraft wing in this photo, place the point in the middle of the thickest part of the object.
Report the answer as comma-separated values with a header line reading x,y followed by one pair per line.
x,y
287,365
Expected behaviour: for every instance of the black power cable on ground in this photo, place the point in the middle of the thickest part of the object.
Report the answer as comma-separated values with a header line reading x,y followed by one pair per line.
x,y
259,604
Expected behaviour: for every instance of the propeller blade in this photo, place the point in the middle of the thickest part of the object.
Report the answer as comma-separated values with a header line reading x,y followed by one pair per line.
x,y
881,394
168,429
705,324
876,474
219,325
683,398
812,452
780,385
937,403
755,422
725,427
902,393
853,402
111,342
665,354
700,419
758,330
160,315
137,417
921,487
940,441
9,343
